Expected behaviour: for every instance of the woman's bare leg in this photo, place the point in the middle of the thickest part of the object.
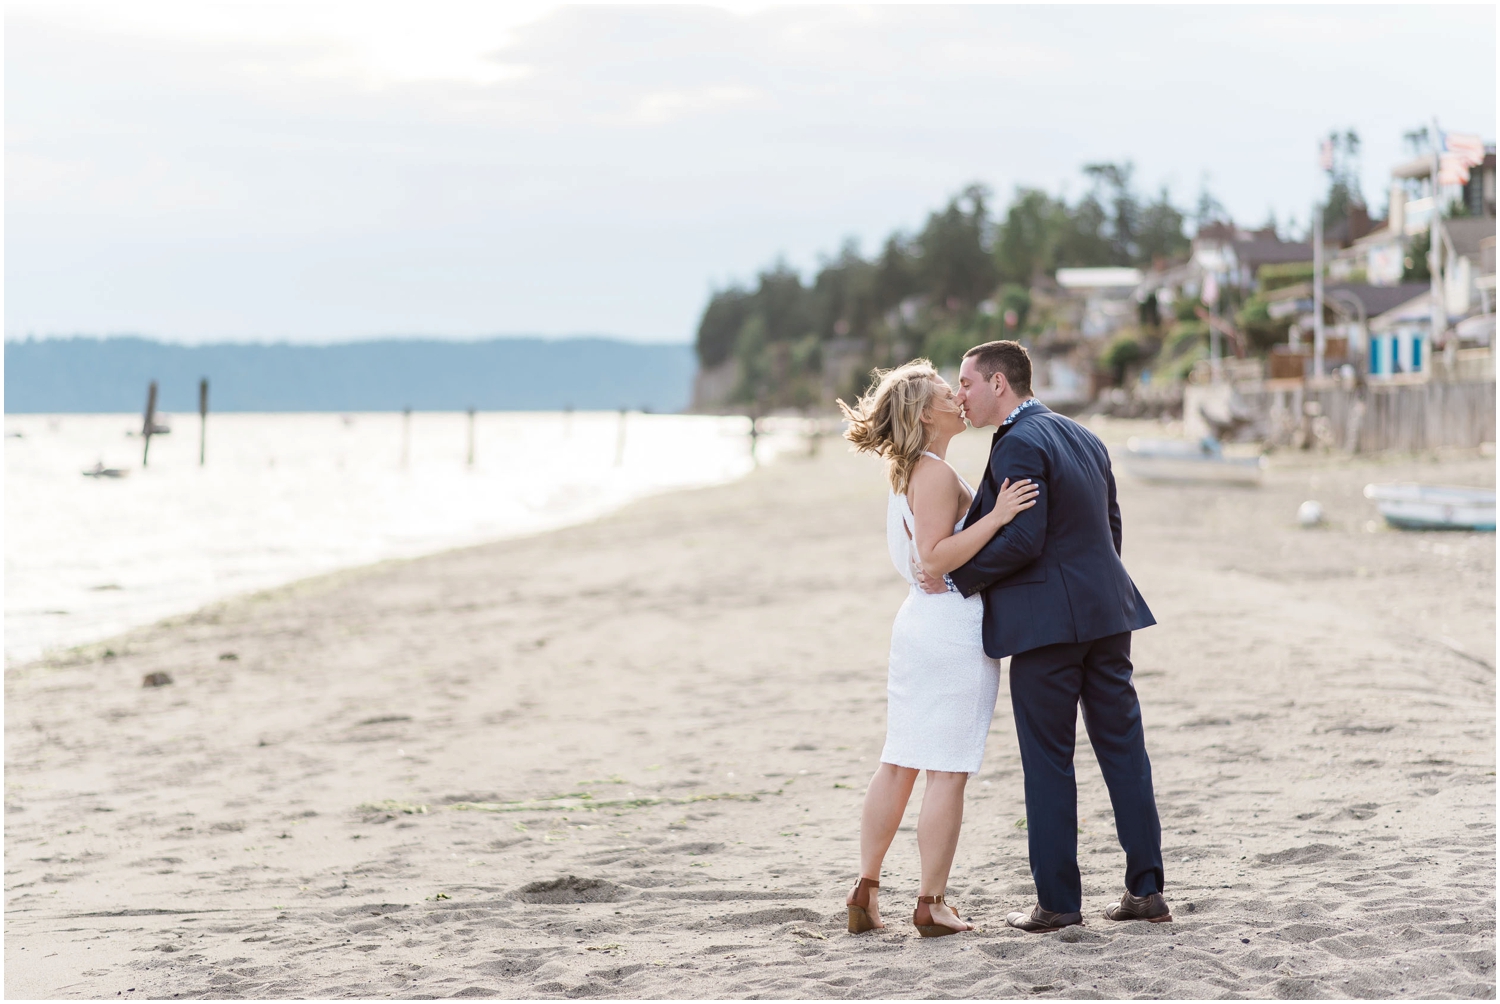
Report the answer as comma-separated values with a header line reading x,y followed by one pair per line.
x,y
937,837
885,803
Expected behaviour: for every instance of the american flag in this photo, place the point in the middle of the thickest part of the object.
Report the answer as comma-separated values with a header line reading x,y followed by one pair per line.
x,y
1453,169
1211,289
1466,145
1325,155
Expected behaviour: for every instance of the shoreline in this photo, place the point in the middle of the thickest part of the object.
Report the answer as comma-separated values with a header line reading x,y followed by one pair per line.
x,y
284,497
711,663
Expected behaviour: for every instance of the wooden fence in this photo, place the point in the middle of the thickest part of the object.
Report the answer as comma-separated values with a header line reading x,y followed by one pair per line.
x,y
1405,416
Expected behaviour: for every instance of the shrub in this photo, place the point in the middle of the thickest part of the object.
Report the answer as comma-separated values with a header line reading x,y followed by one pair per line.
x,y
1261,329
1272,277
1121,354
1184,335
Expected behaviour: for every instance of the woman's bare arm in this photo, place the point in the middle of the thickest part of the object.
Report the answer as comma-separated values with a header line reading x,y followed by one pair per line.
x,y
935,496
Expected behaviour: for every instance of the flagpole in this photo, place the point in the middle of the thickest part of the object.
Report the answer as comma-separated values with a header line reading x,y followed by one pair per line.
x,y
1319,338
1439,308
1215,351
1326,162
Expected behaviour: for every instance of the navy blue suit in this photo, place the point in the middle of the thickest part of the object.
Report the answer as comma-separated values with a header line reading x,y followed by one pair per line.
x,y
1058,600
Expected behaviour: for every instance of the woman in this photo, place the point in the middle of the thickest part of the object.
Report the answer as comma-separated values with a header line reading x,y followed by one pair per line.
x,y
941,686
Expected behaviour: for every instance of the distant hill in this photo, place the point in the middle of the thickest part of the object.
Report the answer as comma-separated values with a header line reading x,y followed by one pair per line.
x,y
501,374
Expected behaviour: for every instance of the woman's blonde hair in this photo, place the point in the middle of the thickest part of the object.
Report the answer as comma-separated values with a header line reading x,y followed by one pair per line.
x,y
887,420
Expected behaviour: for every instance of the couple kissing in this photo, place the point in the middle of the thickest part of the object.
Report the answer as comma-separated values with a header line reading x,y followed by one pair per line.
x,y
1026,566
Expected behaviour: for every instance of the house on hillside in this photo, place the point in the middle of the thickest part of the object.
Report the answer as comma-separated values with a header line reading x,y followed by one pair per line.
x,y
1381,255
1399,338
1385,325
1236,255
1385,253
1469,243
1475,194
1352,309
1098,301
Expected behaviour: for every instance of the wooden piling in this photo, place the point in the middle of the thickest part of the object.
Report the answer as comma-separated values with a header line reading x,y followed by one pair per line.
x,y
202,419
405,436
471,437
148,427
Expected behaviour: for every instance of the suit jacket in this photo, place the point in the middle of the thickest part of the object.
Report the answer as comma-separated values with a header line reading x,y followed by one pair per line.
x,y
1053,574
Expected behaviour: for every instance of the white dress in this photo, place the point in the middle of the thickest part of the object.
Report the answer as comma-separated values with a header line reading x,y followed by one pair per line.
x,y
941,686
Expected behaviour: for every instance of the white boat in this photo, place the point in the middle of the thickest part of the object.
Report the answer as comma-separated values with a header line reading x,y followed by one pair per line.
x,y
1183,461
1434,507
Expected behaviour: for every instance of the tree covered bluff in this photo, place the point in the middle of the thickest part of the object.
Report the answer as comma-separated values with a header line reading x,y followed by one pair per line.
x,y
969,274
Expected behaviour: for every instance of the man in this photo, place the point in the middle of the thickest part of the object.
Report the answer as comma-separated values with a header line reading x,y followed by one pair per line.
x,y
1058,601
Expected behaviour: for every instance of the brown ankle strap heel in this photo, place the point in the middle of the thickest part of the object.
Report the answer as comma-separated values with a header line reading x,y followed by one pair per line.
x,y
858,903
922,919
860,896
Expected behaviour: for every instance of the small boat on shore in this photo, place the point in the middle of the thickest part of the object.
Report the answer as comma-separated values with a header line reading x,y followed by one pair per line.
x,y
100,471
1177,460
1434,507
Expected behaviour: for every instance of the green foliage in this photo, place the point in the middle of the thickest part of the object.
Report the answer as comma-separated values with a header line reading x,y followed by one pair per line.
x,y
1180,366
1013,299
1027,238
845,295
1084,240
1209,209
1138,232
1273,277
1343,178
807,354
1148,311
1185,308
946,346
1342,196
955,266
1160,236
1261,329
1417,268
1110,225
923,292
1185,344
1121,354
725,314
751,351
1183,336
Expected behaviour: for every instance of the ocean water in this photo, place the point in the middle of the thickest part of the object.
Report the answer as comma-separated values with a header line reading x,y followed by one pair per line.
x,y
285,496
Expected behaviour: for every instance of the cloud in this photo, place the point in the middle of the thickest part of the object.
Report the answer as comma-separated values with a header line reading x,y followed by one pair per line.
x,y
370,43
658,107
334,169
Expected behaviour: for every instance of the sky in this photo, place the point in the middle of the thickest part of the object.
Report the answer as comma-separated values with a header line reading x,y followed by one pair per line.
x,y
319,172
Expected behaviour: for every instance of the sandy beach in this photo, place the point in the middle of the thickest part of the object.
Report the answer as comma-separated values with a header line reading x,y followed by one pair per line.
x,y
626,759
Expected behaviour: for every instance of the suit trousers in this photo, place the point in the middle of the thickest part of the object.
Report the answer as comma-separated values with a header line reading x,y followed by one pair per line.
x,y
1046,687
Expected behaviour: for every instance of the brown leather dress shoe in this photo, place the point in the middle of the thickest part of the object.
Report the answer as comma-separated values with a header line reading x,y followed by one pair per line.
x,y
1153,908
1040,921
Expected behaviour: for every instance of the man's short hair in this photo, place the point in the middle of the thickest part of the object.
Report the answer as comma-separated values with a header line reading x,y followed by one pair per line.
x,y
1010,358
